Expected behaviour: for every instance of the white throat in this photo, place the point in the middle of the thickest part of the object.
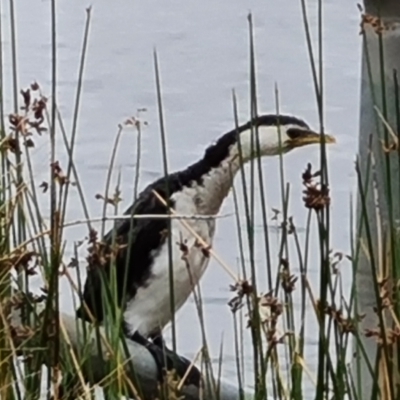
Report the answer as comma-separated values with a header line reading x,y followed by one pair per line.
x,y
270,140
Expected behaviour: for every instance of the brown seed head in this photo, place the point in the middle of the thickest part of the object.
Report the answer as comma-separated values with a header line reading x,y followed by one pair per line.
x,y
26,95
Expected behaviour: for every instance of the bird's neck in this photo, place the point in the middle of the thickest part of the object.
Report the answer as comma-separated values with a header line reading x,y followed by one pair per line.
x,y
215,186
209,180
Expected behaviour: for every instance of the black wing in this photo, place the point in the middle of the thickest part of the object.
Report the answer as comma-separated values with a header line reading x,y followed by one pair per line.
x,y
146,235
133,261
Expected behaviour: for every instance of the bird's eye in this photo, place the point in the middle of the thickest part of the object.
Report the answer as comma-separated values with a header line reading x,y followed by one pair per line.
x,y
295,133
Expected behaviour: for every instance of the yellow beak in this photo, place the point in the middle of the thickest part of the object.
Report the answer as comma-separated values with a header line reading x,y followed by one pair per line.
x,y
310,137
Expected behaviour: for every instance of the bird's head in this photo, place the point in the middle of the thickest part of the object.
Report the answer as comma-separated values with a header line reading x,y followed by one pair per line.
x,y
278,134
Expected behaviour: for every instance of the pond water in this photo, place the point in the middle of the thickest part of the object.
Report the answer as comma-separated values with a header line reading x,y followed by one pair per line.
x,y
203,55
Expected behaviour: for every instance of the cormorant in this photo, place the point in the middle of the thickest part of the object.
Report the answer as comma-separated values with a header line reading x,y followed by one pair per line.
x,y
197,190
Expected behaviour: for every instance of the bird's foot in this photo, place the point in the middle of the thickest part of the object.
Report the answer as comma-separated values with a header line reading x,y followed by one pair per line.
x,y
179,363
167,360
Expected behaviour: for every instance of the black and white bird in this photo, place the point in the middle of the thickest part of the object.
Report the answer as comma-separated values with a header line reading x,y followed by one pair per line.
x,y
143,280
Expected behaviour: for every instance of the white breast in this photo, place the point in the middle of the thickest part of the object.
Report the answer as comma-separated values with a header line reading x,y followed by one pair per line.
x,y
149,311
